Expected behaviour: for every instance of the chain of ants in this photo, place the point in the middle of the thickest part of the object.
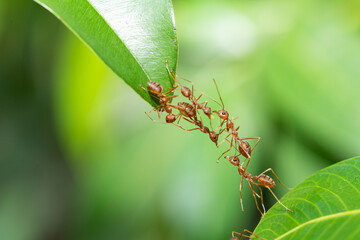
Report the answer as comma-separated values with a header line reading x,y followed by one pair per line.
x,y
190,112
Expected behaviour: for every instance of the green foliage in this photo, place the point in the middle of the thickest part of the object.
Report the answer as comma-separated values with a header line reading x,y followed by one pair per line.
x,y
326,206
134,38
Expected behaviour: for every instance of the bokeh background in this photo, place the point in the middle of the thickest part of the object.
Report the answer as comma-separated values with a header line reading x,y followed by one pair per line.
x,y
80,160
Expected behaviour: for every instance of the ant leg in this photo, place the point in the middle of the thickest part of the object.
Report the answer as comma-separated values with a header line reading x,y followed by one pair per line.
x,y
224,140
279,200
258,140
173,89
241,234
189,130
241,201
253,193
270,169
179,120
242,176
252,235
170,72
143,87
225,151
171,96
262,198
221,123
153,119
197,99
189,120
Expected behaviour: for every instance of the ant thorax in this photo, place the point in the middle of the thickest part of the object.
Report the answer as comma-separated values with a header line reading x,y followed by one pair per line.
x,y
234,133
229,125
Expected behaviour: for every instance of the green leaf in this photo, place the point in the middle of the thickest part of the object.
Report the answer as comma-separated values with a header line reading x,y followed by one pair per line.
x,y
326,206
134,38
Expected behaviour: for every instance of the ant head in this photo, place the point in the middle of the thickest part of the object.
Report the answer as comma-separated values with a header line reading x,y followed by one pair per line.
x,y
234,160
223,114
214,137
170,118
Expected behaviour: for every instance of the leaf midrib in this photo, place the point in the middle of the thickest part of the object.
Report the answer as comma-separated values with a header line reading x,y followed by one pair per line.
x,y
327,217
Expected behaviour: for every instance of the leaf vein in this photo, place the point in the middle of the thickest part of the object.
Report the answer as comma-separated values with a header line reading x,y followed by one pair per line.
x,y
331,216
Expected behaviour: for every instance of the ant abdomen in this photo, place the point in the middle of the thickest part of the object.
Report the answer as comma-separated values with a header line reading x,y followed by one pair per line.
x,y
245,145
266,181
187,109
154,88
186,92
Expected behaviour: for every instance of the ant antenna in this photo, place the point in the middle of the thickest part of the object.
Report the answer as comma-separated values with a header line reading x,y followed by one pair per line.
x,y
217,89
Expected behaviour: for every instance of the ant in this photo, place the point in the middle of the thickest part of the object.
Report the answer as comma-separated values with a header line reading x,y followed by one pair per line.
x,y
156,89
259,181
242,234
185,109
244,146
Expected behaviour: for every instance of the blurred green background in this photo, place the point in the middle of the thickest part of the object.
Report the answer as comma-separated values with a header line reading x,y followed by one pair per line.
x,y
79,159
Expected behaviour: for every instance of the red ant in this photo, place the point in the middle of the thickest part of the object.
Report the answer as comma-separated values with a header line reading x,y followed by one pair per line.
x,y
185,109
244,147
156,89
242,234
259,181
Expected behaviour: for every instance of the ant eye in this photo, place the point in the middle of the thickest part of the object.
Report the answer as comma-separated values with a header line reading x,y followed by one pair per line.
x,y
223,113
